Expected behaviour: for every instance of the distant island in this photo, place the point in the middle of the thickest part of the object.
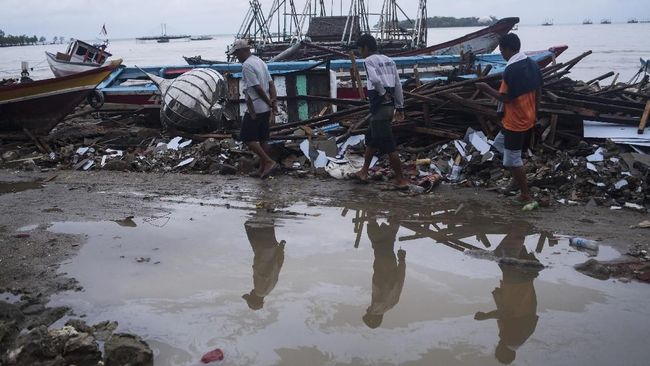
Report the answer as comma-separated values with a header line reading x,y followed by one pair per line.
x,y
7,40
448,22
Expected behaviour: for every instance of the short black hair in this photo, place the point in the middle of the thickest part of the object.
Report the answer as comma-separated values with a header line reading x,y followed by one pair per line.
x,y
510,41
368,41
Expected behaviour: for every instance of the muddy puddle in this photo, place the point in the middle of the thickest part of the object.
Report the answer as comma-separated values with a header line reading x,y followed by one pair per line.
x,y
352,286
15,187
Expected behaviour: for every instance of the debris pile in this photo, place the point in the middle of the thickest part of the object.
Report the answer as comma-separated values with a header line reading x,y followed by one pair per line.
x,y
447,135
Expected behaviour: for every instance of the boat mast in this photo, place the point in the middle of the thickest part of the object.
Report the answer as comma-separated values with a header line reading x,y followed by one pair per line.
x,y
420,30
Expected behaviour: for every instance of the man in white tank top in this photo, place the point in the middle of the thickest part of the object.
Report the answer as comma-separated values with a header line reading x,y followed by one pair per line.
x,y
386,105
261,101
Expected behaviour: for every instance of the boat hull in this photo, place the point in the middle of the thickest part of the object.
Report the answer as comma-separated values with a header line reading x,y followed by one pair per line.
x,y
483,41
64,68
39,106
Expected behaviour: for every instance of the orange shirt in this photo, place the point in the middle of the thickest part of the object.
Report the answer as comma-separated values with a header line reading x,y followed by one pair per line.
x,y
521,113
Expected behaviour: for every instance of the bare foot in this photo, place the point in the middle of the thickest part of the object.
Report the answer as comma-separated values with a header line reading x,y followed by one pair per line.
x,y
268,168
362,175
402,182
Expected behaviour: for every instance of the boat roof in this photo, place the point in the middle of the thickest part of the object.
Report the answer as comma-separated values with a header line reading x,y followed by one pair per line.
x,y
92,47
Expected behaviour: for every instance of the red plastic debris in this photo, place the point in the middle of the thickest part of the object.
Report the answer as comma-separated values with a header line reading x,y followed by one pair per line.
x,y
215,355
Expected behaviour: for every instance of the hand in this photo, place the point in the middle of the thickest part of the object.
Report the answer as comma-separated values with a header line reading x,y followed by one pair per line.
x,y
252,114
401,254
388,97
483,86
399,116
274,107
480,316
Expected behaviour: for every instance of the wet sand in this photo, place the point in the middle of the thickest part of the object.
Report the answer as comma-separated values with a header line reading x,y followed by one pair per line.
x,y
307,271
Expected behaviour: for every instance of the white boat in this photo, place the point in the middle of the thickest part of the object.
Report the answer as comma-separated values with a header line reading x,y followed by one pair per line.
x,y
79,57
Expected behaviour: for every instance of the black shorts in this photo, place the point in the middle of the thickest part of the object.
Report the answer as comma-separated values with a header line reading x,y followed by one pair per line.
x,y
255,130
514,140
379,134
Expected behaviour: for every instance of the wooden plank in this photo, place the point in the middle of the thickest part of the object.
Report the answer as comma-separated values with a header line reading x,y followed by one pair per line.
x,y
552,134
644,119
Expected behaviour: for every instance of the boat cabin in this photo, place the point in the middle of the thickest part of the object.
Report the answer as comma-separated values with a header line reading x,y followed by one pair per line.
x,y
80,51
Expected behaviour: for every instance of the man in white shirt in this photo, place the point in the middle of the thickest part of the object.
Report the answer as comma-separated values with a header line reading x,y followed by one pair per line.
x,y
261,101
386,105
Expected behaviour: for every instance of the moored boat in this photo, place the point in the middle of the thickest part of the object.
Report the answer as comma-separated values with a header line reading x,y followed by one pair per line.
x,y
40,105
129,88
480,42
79,57
483,41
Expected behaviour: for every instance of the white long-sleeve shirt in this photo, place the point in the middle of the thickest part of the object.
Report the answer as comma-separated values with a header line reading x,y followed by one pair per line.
x,y
382,73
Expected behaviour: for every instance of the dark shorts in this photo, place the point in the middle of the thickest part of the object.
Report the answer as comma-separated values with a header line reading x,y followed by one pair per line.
x,y
379,134
255,130
514,140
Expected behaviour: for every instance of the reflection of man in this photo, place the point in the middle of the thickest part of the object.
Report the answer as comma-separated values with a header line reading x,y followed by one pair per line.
x,y
267,262
515,298
389,272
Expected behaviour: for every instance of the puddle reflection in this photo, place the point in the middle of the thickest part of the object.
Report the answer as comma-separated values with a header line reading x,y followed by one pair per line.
x,y
267,260
339,290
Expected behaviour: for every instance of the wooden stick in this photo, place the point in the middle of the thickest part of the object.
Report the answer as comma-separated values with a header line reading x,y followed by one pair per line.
x,y
644,119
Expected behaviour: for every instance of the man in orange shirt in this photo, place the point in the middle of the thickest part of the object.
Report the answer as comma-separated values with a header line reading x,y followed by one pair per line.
x,y
520,93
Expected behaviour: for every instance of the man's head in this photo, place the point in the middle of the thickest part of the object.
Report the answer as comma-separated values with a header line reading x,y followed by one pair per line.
x,y
254,302
509,45
367,45
240,49
373,321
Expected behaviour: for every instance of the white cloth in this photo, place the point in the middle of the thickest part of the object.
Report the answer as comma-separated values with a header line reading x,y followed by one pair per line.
x,y
255,72
516,58
382,73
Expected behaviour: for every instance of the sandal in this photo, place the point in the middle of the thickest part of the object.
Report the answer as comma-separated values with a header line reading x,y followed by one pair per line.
x,y
517,202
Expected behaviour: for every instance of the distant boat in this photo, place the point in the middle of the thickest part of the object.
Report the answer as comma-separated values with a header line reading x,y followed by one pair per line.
x,y
587,22
632,21
548,23
39,106
201,38
606,21
79,57
163,37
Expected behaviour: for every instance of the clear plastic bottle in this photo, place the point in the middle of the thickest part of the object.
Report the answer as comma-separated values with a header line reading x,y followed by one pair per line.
x,y
531,206
584,243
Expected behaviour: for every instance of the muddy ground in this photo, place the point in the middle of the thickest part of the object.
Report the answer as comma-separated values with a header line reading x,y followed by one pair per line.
x,y
29,260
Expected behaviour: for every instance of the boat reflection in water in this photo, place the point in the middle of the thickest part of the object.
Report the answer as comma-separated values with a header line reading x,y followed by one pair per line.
x,y
267,261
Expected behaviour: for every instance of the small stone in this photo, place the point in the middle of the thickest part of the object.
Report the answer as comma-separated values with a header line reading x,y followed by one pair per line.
x,y
117,165
10,155
127,349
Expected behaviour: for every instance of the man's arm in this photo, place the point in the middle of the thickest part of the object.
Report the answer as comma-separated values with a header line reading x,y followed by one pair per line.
x,y
398,98
260,91
491,92
274,96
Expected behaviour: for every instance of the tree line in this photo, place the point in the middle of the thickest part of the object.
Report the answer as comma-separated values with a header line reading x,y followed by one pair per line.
x,y
7,40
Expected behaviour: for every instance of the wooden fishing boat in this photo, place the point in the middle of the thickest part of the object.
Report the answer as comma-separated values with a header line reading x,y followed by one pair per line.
x,y
79,57
483,41
129,88
480,42
40,105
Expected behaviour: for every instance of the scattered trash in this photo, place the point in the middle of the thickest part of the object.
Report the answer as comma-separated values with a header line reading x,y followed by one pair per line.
x,y
212,356
531,206
584,243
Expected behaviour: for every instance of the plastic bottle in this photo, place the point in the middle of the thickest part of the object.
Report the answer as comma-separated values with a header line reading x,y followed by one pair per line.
x,y
583,243
531,206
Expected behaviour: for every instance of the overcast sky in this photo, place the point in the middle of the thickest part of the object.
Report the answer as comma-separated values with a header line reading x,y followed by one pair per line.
x,y
125,19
